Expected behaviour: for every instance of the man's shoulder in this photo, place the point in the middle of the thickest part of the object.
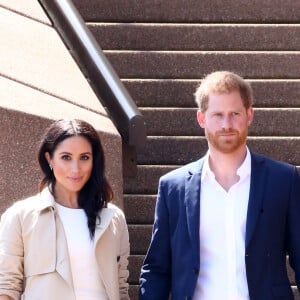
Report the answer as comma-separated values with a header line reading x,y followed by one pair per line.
x,y
271,162
184,171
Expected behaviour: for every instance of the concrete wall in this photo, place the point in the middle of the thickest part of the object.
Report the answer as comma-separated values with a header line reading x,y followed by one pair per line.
x,y
39,83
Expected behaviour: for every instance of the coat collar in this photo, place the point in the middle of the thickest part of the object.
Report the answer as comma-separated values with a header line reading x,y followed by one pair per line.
x,y
47,200
106,214
56,235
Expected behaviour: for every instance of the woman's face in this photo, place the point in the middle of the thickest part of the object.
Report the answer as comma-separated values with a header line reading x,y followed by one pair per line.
x,y
72,164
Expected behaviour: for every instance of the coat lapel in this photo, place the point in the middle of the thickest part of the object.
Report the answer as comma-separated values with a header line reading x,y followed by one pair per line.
x,y
105,218
63,266
59,238
192,203
258,177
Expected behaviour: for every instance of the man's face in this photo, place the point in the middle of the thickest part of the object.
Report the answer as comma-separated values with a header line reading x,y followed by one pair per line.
x,y
226,122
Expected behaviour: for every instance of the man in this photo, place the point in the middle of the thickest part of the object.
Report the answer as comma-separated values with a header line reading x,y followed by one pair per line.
x,y
224,224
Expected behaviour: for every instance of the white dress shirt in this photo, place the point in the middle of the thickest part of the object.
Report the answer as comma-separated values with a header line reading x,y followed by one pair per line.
x,y
222,236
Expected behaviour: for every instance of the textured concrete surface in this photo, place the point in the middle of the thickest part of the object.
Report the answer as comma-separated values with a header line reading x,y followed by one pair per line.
x,y
193,65
190,11
196,37
29,8
183,122
34,54
39,83
179,92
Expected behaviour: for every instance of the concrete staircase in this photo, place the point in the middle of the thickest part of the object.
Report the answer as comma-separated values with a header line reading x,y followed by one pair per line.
x,y
161,50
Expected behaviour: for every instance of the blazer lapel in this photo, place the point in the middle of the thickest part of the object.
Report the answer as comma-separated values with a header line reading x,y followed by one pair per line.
x,y
192,203
257,184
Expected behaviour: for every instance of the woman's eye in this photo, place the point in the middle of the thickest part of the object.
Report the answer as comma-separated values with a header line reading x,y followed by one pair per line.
x,y
66,157
84,157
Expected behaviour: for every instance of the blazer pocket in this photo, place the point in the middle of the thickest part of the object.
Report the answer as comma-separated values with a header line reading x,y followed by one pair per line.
x,y
282,291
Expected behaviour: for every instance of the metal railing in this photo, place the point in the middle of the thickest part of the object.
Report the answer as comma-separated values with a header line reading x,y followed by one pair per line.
x,y
98,71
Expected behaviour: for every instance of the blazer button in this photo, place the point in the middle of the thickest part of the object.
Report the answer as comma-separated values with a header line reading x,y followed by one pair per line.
x,y
196,270
188,298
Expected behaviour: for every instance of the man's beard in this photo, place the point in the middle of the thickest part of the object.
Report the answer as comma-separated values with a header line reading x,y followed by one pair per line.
x,y
227,144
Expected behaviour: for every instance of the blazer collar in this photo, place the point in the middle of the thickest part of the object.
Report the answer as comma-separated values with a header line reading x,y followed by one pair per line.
x,y
192,196
257,184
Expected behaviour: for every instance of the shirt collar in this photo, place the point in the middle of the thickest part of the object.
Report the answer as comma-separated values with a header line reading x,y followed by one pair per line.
x,y
243,171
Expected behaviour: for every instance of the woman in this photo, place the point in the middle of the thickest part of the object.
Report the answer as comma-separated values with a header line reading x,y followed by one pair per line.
x,y
67,242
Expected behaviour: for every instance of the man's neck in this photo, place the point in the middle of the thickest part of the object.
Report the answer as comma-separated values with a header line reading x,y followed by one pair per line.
x,y
225,166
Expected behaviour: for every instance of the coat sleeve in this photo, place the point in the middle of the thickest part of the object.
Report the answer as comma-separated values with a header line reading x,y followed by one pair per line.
x,y
293,236
11,254
155,279
123,258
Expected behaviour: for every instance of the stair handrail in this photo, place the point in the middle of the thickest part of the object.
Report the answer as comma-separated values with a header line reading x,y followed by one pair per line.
x,y
99,72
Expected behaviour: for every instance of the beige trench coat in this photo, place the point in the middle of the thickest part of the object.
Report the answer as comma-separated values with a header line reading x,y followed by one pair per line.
x,y
34,261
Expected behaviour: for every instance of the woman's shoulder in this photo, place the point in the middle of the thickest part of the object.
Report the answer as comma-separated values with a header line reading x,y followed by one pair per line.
x,y
34,203
117,212
114,207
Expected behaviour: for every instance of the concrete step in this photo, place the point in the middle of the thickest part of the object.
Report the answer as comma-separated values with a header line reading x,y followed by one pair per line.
x,y
197,37
146,180
179,93
192,11
182,150
183,122
144,213
140,236
135,264
133,292
193,65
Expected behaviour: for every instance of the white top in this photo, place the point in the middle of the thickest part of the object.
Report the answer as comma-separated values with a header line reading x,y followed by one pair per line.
x,y
222,236
86,279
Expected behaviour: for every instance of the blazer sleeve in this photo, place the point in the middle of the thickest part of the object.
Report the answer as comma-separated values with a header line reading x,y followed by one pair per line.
x,y
155,279
293,235
11,254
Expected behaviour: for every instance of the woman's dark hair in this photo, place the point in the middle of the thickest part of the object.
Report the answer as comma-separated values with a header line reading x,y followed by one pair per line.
x,y
96,193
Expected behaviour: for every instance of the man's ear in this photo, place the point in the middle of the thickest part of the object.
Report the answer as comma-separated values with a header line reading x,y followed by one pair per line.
x,y
250,114
201,118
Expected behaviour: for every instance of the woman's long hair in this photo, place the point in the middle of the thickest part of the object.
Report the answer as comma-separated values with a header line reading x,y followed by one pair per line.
x,y
96,193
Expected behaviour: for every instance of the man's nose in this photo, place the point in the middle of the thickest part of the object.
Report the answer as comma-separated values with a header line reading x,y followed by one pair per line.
x,y
226,122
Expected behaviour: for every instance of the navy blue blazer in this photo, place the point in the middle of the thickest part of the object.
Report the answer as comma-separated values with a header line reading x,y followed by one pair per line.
x,y
171,266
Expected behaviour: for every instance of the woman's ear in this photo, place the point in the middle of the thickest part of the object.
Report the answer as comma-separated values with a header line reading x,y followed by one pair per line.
x,y
48,157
